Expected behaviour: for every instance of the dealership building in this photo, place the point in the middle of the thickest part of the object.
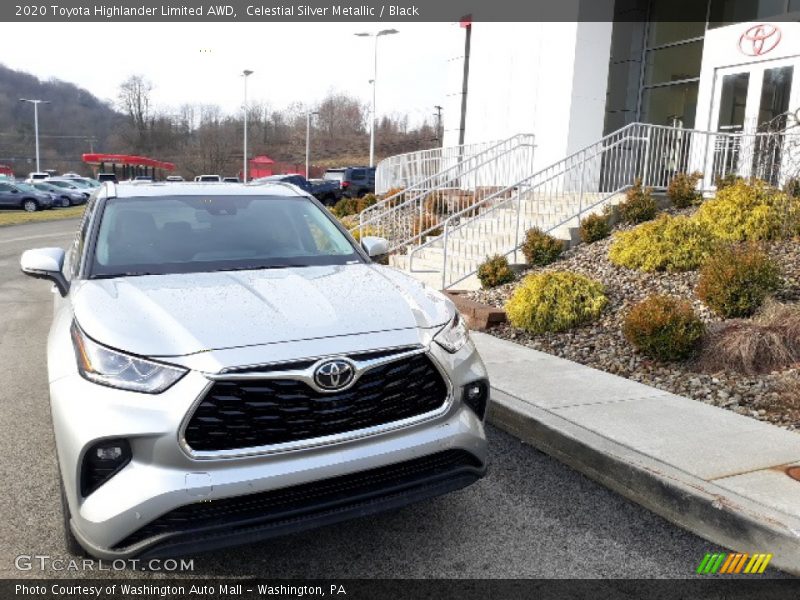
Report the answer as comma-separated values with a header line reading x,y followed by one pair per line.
x,y
711,65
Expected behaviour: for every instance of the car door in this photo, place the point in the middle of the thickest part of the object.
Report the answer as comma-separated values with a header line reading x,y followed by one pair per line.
x,y
358,178
8,195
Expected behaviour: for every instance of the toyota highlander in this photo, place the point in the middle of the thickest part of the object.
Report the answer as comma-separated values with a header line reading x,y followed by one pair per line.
x,y
227,364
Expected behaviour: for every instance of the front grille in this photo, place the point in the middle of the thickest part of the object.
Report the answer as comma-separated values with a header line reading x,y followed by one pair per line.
x,y
248,414
309,499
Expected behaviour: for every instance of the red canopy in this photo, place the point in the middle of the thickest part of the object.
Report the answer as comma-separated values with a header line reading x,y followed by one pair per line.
x,y
127,159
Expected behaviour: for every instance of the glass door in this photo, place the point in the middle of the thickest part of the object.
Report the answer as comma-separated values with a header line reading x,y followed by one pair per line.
x,y
749,111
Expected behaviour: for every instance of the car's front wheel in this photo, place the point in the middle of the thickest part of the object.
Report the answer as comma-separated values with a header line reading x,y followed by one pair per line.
x,y
30,205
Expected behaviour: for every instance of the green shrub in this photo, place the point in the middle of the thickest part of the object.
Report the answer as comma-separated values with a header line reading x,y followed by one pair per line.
x,y
495,271
555,301
664,328
594,228
541,249
750,211
638,206
726,181
682,190
666,244
352,206
792,188
736,280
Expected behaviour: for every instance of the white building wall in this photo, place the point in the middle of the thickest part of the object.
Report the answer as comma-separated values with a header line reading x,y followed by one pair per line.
x,y
548,79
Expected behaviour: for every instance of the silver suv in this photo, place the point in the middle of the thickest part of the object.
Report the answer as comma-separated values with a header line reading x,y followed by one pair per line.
x,y
227,364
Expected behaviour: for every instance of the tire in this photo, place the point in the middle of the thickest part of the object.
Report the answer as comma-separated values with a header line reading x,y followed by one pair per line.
x,y
70,541
30,205
65,203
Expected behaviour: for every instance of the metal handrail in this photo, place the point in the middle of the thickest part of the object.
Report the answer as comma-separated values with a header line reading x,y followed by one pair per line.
x,y
450,178
654,153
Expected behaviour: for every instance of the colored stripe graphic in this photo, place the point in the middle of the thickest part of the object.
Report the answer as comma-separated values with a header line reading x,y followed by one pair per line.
x,y
733,563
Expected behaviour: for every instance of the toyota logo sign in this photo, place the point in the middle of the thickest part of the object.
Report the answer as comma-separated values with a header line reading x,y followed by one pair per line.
x,y
759,39
334,375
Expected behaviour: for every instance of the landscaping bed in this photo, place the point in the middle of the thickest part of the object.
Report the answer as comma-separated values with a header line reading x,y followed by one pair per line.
x,y
600,343
18,217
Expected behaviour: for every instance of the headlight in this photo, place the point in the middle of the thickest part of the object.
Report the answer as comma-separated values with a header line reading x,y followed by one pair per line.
x,y
454,335
112,368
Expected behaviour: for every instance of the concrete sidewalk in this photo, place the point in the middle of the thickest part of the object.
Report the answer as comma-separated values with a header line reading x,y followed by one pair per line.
x,y
711,471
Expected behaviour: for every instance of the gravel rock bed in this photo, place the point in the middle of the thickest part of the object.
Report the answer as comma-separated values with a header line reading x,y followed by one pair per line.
x,y
601,344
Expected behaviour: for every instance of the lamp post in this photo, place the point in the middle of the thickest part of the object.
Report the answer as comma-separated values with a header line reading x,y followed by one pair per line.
x,y
36,104
374,86
246,73
309,114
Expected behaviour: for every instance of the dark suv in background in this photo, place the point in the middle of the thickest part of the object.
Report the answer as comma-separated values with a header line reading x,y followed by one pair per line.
x,y
354,181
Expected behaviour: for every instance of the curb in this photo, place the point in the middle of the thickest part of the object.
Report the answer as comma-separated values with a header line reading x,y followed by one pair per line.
x,y
709,511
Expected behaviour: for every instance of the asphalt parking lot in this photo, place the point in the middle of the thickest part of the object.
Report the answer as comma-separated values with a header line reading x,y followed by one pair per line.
x,y
530,517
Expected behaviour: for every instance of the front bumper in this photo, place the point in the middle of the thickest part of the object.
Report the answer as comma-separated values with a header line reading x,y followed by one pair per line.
x,y
163,477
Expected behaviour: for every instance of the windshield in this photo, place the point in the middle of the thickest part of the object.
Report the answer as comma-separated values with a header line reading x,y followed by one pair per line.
x,y
193,234
25,187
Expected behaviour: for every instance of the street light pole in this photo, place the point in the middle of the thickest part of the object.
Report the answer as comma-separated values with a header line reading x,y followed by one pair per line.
x,y
36,104
246,73
308,139
374,116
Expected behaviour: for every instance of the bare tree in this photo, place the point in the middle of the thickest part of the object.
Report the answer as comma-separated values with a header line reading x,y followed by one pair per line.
x,y
134,100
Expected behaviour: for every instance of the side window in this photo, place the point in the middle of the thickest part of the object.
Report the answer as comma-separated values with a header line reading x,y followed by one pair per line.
x,y
4,187
76,251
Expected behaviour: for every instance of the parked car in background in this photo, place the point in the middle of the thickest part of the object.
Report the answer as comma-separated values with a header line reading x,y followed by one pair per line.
x,y
63,196
208,178
38,176
101,177
70,185
174,178
326,191
231,180
24,196
353,181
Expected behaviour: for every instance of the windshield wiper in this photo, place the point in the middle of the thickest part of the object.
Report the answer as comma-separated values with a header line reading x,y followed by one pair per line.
x,y
127,274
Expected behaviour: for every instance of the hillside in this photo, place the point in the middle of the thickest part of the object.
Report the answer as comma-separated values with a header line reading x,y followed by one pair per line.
x,y
65,125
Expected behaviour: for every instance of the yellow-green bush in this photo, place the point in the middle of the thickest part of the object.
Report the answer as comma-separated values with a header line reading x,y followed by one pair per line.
x,y
666,244
664,328
682,189
555,301
750,211
638,206
594,228
540,248
736,280
366,231
495,271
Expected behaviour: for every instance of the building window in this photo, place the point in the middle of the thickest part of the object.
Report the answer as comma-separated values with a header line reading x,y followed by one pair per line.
x,y
673,105
673,63
726,12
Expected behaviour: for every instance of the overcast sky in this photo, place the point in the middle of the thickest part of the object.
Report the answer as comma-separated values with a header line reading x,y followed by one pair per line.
x,y
201,62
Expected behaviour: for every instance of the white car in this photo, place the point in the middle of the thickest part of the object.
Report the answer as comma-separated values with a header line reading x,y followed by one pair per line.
x,y
227,364
208,178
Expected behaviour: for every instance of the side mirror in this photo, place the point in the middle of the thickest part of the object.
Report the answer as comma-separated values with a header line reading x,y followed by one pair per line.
x,y
45,263
375,246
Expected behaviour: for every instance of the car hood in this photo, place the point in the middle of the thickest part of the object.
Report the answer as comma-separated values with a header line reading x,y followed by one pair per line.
x,y
175,315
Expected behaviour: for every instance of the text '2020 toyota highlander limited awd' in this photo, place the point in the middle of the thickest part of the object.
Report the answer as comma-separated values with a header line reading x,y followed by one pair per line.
x,y
226,364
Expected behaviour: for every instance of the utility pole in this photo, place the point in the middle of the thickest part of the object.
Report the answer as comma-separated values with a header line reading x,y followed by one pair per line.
x,y
36,104
246,73
374,86
466,23
438,115
308,139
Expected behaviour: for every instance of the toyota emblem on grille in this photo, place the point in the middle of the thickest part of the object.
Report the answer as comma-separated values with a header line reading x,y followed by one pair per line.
x,y
334,375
